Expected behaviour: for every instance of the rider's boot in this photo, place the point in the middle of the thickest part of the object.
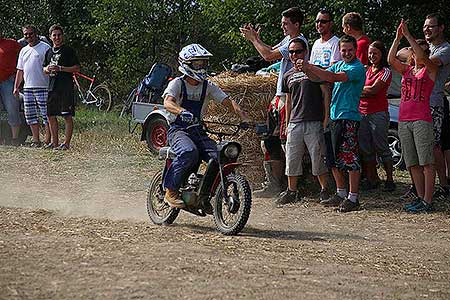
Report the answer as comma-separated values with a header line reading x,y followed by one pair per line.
x,y
171,198
272,187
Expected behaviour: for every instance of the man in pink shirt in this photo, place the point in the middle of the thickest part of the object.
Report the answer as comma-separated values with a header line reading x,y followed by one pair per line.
x,y
352,24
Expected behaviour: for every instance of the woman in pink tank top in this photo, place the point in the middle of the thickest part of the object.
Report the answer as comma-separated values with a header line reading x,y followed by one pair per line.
x,y
415,126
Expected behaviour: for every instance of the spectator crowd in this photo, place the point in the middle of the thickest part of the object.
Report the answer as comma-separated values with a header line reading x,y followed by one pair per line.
x,y
331,103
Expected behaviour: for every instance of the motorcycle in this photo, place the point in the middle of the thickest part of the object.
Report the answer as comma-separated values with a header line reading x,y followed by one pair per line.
x,y
218,189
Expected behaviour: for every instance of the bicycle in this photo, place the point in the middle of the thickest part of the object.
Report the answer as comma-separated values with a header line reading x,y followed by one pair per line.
x,y
132,97
99,95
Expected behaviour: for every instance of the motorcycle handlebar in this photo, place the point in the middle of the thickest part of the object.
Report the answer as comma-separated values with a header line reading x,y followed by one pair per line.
x,y
204,124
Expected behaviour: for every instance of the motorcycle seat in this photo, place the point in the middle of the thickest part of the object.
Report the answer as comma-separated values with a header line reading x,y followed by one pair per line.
x,y
166,152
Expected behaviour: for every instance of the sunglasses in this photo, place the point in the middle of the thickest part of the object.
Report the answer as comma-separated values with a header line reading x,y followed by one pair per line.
x,y
298,51
322,21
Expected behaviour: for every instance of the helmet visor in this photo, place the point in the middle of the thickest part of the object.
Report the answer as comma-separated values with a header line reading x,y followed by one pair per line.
x,y
199,64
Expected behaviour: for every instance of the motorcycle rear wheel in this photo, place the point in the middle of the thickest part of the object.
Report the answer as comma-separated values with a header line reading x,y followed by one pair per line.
x,y
228,221
159,211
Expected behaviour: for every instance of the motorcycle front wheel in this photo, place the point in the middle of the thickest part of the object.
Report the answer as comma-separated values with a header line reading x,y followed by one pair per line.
x,y
231,215
159,211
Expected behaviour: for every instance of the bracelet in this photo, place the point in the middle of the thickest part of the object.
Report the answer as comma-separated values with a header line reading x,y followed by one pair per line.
x,y
60,68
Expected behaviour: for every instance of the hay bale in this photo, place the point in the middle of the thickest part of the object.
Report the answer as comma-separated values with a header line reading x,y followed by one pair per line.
x,y
253,93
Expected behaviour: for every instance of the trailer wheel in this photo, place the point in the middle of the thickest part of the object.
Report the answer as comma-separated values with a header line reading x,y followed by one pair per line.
x,y
156,134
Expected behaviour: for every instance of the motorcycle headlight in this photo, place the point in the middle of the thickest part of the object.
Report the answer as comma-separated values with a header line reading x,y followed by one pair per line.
x,y
231,151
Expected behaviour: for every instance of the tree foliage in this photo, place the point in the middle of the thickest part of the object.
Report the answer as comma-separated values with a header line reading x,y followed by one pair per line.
x,y
129,36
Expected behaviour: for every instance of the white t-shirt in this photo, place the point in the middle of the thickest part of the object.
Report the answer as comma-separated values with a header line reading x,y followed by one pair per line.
x,y
325,54
194,93
30,62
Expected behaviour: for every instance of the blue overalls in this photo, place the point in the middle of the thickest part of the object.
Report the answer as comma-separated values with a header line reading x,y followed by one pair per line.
x,y
190,145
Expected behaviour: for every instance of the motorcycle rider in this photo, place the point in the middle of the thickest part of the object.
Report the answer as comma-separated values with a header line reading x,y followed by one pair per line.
x,y
186,98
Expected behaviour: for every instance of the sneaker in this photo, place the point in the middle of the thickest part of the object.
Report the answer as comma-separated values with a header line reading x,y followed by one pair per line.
x,y
421,207
288,197
440,193
49,146
171,198
348,206
268,191
35,144
336,200
410,194
413,203
62,147
389,186
324,195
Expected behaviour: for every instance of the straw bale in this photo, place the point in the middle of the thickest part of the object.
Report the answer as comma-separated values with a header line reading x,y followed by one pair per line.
x,y
253,93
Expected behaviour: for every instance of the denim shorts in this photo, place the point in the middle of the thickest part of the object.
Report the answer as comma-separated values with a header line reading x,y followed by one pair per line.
x,y
10,103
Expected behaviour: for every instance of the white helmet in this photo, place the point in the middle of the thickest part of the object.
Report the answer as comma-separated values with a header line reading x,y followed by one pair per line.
x,y
194,61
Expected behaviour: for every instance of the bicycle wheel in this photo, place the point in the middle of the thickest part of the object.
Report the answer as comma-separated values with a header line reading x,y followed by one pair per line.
x,y
102,96
128,103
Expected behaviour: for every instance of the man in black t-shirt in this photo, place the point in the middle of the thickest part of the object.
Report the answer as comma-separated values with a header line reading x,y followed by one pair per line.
x,y
60,62
307,112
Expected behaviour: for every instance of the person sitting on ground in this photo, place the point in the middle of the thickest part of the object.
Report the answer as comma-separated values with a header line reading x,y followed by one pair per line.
x,y
307,112
186,98
415,127
348,76
374,125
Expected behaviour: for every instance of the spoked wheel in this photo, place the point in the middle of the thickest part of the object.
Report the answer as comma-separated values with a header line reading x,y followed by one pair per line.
x,y
231,215
159,211
128,103
102,96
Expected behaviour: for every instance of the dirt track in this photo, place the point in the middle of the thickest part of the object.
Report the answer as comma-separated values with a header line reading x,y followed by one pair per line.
x,y
73,227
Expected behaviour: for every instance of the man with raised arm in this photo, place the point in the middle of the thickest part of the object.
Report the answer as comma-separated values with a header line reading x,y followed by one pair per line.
x,y
291,23
348,77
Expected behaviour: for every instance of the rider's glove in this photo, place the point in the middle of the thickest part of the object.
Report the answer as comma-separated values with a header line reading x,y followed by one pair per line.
x,y
187,117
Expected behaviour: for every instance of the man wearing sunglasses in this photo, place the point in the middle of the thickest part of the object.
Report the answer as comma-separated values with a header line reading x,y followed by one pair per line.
x,y
291,22
352,25
307,113
348,76
35,89
325,50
